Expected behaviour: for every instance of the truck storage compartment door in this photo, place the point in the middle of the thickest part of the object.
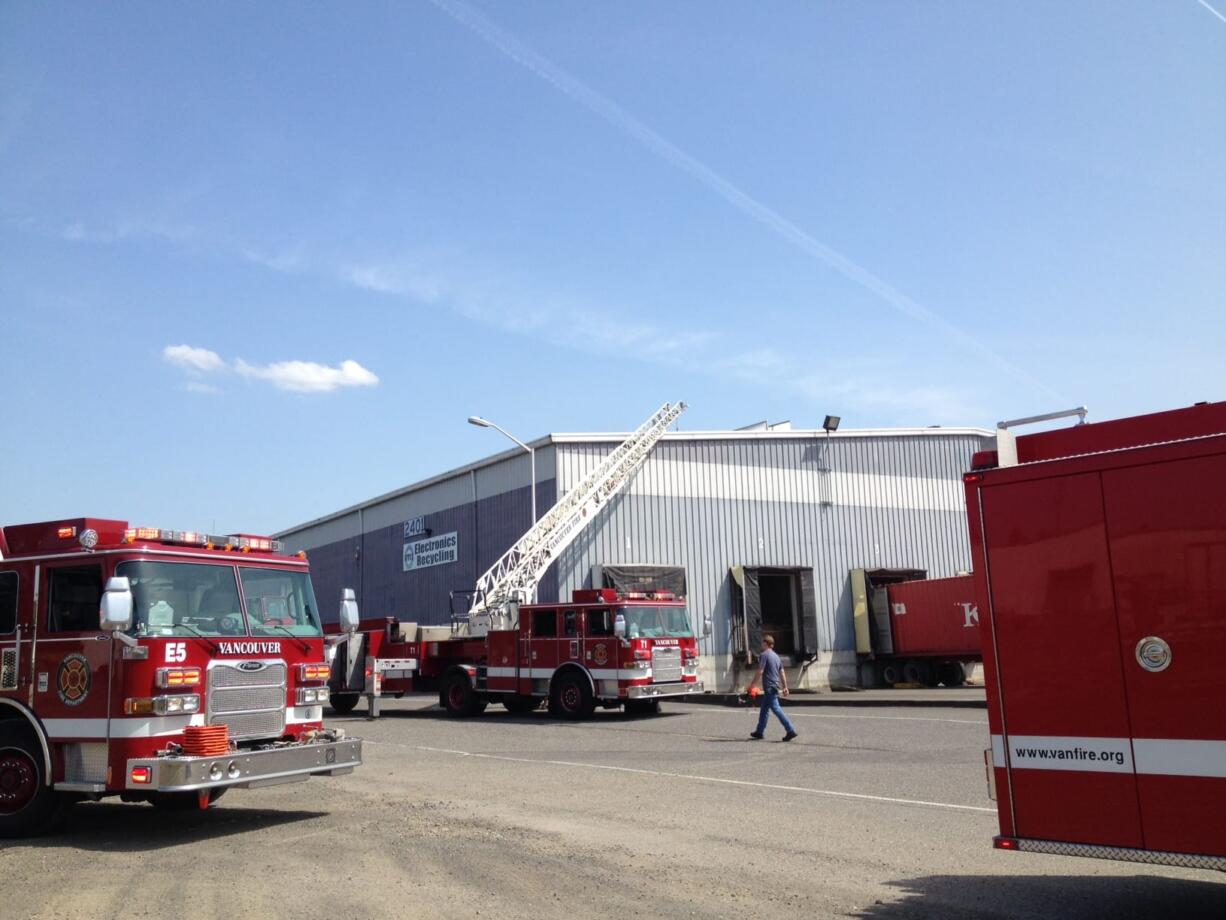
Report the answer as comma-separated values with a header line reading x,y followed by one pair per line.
x,y
1066,730
1167,524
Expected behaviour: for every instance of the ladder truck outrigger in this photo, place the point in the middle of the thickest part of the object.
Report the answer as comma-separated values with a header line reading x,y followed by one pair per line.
x,y
601,648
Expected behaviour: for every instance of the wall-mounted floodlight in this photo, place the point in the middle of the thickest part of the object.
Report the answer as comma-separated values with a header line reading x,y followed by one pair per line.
x,y
830,424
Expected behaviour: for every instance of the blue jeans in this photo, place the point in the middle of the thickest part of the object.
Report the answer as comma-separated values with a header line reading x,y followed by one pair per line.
x,y
770,703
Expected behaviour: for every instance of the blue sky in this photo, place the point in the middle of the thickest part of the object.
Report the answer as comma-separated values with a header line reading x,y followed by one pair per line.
x,y
259,262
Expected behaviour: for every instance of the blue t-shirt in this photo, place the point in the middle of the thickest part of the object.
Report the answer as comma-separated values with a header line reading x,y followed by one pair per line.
x,y
772,667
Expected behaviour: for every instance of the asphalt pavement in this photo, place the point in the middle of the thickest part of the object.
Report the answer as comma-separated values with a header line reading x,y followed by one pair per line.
x,y
870,813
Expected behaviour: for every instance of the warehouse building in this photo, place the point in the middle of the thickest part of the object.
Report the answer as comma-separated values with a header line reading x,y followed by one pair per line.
x,y
756,526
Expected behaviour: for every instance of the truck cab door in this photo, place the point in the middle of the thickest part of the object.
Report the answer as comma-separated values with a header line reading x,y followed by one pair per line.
x,y
542,648
16,632
600,649
72,669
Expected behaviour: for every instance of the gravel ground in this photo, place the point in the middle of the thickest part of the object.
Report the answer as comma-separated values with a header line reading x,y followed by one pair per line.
x,y
878,813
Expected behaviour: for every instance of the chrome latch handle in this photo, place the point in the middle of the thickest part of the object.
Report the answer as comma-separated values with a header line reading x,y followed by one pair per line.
x,y
1153,654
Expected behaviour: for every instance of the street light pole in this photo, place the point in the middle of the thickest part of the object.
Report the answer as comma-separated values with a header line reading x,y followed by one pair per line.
x,y
486,423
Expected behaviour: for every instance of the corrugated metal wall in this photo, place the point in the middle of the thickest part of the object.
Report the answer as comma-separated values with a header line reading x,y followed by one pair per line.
x,y
708,505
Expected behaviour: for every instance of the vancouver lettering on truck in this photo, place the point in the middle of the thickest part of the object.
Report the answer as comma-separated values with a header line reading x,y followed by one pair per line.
x,y
1099,553
156,665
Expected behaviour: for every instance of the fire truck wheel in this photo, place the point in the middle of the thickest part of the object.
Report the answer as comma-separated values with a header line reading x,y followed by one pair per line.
x,y
571,697
521,704
458,698
343,703
27,805
183,801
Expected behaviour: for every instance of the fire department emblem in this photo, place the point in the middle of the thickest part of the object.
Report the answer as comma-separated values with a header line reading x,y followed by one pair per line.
x,y
73,679
600,654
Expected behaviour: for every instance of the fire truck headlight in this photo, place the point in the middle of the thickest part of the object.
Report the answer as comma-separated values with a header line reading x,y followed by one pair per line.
x,y
216,771
311,696
171,704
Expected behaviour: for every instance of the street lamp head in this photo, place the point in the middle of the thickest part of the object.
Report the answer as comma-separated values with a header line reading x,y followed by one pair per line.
x,y
831,423
478,421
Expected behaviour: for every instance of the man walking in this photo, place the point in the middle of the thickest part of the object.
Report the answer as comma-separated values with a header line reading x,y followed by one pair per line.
x,y
774,682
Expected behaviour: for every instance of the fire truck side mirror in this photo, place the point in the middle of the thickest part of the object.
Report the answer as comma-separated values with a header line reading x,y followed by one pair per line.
x,y
349,611
706,626
619,626
115,611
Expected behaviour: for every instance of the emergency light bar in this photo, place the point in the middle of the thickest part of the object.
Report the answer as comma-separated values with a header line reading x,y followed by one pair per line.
x,y
241,542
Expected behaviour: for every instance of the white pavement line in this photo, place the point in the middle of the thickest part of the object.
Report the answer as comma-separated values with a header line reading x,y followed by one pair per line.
x,y
691,776
792,714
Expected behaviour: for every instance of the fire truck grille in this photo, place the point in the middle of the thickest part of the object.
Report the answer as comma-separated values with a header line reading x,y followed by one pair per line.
x,y
8,669
251,703
665,664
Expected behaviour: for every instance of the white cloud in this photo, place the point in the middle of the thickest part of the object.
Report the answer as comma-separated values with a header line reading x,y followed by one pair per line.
x,y
296,376
307,376
195,386
127,228
194,359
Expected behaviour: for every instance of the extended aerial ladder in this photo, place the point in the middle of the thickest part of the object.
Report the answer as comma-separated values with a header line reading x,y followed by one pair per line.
x,y
513,578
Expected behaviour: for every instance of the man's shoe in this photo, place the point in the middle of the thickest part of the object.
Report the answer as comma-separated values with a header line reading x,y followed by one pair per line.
x,y
756,736
789,736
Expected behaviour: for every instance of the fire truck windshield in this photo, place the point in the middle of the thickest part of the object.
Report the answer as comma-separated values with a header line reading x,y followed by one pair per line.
x,y
656,622
279,601
181,599
185,599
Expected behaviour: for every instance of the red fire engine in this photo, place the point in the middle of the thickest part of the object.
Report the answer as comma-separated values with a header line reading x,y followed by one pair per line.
x,y
602,648
156,665
1100,563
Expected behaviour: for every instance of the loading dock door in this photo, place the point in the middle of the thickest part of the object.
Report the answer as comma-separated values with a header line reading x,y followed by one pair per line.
x,y
781,602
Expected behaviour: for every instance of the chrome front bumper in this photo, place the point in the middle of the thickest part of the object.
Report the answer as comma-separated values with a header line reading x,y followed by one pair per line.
x,y
655,691
248,769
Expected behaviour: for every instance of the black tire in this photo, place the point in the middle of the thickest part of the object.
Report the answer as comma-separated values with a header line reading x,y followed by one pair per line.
x,y
918,671
571,697
521,704
183,801
643,707
952,674
458,698
343,703
28,806
891,673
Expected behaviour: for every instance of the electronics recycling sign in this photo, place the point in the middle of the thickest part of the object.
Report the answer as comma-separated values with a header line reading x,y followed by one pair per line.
x,y
435,550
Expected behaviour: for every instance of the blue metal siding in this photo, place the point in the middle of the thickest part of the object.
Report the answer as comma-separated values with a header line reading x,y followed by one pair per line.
x,y
373,563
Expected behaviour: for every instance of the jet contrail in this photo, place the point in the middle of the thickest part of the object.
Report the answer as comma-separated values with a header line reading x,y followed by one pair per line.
x,y
1206,5
611,112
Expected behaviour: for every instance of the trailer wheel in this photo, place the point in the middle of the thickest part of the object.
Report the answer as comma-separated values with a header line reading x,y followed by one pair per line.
x,y
183,801
343,703
458,698
891,673
918,671
521,704
27,804
952,674
571,697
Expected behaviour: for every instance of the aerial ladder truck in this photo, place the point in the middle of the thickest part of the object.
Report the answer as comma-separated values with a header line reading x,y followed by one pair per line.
x,y
601,648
